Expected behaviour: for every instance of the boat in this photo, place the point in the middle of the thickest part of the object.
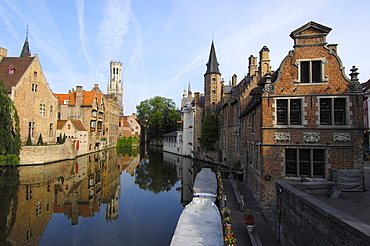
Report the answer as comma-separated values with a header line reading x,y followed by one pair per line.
x,y
199,224
200,221
205,184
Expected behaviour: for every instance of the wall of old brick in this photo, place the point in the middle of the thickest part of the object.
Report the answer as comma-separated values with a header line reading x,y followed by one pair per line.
x,y
304,220
40,154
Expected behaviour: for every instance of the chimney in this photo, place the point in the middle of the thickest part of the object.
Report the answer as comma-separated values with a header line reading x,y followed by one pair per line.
x,y
3,53
252,65
264,66
233,80
79,96
196,99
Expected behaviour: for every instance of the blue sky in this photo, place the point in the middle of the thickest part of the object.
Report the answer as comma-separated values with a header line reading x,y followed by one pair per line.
x,y
163,45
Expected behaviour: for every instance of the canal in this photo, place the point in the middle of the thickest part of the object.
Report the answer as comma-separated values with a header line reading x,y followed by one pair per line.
x,y
106,198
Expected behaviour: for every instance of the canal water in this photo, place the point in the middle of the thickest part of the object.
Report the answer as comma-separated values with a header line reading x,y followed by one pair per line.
x,y
107,198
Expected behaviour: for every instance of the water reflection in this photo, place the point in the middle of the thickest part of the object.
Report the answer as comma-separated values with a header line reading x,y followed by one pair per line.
x,y
101,199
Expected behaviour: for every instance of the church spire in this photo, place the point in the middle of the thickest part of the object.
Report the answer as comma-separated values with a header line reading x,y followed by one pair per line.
x,y
212,64
26,48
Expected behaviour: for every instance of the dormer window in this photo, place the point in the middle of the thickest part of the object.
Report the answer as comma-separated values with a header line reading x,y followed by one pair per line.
x,y
94,113
66,101
11,70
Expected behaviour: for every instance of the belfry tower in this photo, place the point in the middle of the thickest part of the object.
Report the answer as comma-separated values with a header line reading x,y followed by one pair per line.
x,y
212,82
115,83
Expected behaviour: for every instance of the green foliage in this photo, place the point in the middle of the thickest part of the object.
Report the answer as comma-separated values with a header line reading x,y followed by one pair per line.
x,y
9,160
64,138
128,141
29,140
153,176
9,185
40,141
125,144
10,141
157,116
210,131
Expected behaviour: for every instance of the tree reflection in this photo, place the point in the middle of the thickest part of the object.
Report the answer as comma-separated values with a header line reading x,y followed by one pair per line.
x,y
9,184
130,151
152,175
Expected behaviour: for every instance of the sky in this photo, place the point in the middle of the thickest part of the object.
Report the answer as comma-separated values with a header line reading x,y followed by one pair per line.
x,y
164,45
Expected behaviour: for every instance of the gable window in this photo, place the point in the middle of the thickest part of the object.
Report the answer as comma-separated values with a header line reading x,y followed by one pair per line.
x,y
31,129
311,71
35,74
42,110
288,111
332,111
34,87
305,163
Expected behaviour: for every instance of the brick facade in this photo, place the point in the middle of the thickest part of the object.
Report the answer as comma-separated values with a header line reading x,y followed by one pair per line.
x,y
298,122
24,79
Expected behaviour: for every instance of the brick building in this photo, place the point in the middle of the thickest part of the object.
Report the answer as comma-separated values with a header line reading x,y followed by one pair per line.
x,y
89,108
296,123
24,79
303,120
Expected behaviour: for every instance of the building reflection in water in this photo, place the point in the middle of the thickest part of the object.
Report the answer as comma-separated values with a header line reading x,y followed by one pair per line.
x,y
75,188
186,169
78,188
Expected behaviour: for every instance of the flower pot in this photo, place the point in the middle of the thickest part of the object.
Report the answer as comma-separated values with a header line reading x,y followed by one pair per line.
x,y
250,228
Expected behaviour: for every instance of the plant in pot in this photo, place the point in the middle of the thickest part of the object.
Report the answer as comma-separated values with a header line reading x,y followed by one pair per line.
x,y
249,221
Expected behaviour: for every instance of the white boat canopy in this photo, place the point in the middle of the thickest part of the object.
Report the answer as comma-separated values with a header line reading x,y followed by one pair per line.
x,y
205,184
199,224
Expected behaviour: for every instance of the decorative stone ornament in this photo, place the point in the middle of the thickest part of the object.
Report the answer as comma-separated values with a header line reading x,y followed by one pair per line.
x,y
268,88
311,137
282,136
341,137
354,84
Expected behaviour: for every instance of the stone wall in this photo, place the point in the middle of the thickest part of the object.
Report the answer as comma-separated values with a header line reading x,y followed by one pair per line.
x,y
305,220
40,154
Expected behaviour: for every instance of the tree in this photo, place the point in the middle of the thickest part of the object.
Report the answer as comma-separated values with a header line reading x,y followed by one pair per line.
x,y
210,129
157,116
29,140
10,140
40,141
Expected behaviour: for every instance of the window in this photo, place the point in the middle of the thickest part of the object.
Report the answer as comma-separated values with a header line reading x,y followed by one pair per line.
x,y
305,163
101,115
66,101
51,130
34,87
42,110
213,92
213,104
69,126
92,125
38,208
311,71
51,111
31,129
332,111
35,74
288,111
100,124
94,113
213,79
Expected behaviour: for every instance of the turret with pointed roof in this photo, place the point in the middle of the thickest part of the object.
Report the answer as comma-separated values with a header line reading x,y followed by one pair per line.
x,y
212,64
26,48
212,83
